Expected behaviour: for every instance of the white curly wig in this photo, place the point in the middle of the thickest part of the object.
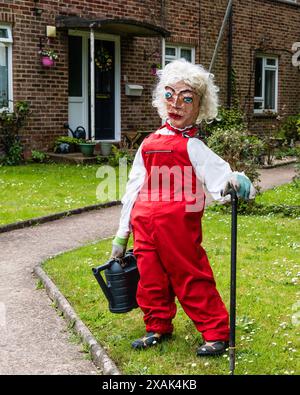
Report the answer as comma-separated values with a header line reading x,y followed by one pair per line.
x,y
197,78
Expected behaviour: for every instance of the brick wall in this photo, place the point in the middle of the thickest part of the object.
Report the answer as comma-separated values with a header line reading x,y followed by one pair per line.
x,y
194,22
277,25
271,29
47,89
211,18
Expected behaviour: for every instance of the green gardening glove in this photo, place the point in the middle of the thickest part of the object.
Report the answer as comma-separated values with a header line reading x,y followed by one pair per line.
x,y
119,245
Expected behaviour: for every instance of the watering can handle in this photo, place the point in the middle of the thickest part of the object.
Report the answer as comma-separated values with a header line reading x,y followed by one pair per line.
x,y
97,273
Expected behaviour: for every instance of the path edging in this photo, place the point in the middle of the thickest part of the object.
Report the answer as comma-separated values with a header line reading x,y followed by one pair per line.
x,y
98,354
279,164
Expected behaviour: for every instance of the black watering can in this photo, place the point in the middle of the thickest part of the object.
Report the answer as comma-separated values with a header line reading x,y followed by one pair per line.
x,y
79,132
122,277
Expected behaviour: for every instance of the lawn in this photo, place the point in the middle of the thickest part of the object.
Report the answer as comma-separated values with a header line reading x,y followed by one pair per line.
x,y
267,302
288,194
35,190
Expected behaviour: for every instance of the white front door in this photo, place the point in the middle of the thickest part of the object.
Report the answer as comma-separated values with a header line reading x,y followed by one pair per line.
x,y
107,128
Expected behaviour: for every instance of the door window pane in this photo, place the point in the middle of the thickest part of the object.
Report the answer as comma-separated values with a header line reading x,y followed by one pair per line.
x,y
75,66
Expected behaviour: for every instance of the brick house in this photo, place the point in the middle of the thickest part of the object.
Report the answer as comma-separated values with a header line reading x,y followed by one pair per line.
x,y
136,35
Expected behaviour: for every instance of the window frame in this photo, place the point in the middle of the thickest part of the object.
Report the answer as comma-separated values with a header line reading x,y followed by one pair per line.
x,y
261,99
178,48
7,42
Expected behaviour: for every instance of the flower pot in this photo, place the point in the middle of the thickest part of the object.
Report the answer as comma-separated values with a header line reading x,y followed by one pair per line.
x,y
87,149
106,148
47,62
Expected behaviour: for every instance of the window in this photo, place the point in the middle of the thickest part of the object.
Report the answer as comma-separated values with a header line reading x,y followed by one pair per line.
x,y
5,67
75,66
266,84
173,52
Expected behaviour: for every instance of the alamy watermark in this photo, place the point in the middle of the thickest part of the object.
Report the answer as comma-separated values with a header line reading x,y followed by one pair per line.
x,y
2,316
165,184
296,55
296,314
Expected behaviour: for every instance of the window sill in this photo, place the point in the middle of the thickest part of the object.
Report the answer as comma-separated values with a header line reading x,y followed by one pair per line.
x,y
286,2
262,115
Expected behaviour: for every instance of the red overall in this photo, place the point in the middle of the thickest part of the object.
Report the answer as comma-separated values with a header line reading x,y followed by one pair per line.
x,y
167,244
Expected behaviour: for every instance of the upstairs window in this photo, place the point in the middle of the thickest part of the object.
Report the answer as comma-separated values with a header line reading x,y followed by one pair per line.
x,y
266,84
173,52
5,67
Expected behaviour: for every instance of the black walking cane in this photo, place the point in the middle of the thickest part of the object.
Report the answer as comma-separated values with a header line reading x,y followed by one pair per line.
x,y
234,202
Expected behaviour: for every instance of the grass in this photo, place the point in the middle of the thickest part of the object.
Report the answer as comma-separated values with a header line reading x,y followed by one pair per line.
x,y
35,190
267,302
288,194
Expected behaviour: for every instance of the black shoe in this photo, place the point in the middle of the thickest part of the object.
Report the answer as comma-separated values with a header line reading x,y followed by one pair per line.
x,y
150,339
217,348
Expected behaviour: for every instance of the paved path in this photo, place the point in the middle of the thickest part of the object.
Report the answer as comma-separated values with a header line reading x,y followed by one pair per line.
x,y
33,338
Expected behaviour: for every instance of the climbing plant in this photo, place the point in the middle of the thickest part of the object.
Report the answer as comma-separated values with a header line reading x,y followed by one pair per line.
x,y
10,125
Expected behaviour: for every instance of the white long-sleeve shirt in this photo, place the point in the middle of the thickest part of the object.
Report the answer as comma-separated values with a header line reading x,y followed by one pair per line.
x,y
210,169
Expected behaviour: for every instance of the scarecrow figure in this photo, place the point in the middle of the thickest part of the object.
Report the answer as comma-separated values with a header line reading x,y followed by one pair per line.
x,y
163,205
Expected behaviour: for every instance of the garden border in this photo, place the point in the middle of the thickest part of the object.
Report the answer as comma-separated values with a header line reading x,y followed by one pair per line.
x,y
98,354
279,163
55,216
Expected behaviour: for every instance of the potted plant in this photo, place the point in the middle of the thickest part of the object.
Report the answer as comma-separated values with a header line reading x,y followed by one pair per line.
x,y
87,147
48,57
66,144
106,148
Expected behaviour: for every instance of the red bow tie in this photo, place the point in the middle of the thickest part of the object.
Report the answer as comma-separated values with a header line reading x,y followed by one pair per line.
x,y
190,131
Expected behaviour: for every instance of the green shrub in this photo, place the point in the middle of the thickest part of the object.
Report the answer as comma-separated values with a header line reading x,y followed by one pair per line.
x,y
117,154
38,156
287,151
71,141
13,152
227,119
10,125
239,149
290,129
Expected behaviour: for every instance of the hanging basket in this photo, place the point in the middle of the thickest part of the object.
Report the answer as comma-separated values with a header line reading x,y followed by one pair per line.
x,y
47,62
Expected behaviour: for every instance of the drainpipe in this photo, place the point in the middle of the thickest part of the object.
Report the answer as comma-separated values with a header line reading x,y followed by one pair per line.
x,y
229,55
92,81
228,11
